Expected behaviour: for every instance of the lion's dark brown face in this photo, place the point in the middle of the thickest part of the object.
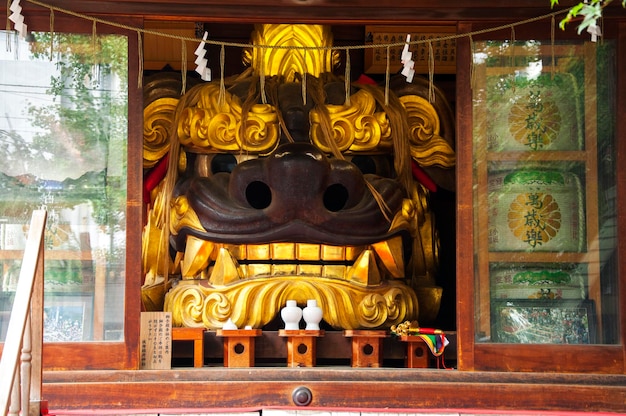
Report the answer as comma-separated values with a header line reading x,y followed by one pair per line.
x,y
295,194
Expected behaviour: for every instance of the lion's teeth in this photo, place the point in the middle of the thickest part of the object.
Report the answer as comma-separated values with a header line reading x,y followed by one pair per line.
x,y
259,269
238,251
292,251
353,252
308,252
258,252
284,269
390,254
283,251
309,270
258,260
196,258
332,271
364,270
333,253
226,269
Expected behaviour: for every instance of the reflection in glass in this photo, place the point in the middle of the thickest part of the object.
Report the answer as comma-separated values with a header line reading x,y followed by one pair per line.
x,y
545,218
63,136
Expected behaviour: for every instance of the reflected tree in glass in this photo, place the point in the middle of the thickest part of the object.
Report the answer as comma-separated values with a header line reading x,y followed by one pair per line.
x,y
63,136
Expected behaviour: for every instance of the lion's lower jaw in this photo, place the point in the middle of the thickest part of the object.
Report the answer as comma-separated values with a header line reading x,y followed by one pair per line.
x,y
256,302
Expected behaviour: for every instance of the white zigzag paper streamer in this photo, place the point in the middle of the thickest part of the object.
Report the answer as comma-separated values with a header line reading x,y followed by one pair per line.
x,y
18,19
594,31
407,61
201,62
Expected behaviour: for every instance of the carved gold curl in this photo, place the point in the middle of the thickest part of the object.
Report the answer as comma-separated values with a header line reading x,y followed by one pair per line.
x,y
157,129
260,129
427,146
182,215
346,306
215,124
355,127
190,309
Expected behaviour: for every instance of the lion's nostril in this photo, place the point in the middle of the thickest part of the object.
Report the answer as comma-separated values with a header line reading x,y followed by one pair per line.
x,y
335,197
258,195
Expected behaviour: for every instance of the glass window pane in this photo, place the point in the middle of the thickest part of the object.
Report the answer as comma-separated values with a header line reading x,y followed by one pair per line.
x,y
544,176
63,138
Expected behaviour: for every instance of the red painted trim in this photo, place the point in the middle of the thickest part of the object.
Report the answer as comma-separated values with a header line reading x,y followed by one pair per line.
x,y
400,411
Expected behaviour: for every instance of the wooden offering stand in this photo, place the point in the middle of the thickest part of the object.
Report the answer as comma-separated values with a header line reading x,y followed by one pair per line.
x,y
192,334
301,345
367,347
417,351
238,346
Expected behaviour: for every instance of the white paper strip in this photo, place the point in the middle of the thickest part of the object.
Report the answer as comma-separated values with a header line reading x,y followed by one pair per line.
x,y
18,19
201,61
407,61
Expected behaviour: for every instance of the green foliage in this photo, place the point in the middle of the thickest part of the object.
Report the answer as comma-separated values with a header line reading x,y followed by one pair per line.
x,y
589,12
83,112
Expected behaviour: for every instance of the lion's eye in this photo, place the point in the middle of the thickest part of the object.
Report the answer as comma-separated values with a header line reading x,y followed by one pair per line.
x,y
373,164
223,162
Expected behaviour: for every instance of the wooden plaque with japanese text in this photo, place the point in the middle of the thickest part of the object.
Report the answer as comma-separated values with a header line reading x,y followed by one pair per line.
x,y
443,48
156,340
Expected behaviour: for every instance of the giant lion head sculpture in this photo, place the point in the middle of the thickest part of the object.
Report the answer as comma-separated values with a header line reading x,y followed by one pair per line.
x,y
286,182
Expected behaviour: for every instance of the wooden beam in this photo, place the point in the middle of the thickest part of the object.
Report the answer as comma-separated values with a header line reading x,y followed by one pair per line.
x,y
371,388
308,11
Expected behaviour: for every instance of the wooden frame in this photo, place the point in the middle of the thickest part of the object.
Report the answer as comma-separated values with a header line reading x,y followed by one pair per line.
x,y
312,11
444,53
101,381
474,355
578,244
122,354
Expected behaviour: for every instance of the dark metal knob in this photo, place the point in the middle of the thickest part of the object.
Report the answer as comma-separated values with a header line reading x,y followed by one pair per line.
x,y
302,396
